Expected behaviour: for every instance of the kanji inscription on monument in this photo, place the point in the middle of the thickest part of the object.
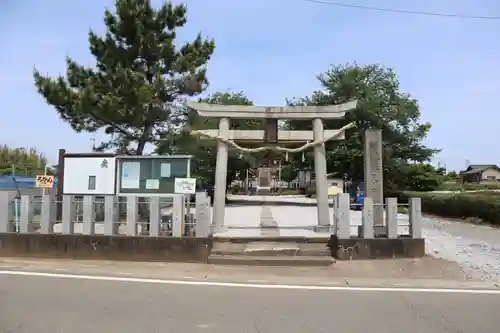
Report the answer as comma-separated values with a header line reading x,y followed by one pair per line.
x,y
374,185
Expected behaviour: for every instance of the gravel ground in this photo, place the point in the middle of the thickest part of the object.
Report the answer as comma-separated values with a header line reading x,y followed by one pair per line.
x,y
476,249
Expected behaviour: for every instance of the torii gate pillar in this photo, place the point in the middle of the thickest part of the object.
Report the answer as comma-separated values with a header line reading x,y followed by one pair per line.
x,y
221,176
320,174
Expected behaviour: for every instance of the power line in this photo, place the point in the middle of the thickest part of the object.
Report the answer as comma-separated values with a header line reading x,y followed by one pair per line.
x,y
402,11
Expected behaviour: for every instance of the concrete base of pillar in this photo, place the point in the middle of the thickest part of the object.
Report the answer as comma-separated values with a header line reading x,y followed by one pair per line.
x,y
377,248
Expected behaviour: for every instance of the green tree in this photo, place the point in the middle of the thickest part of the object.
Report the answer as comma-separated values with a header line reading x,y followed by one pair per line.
x,y
26,162
417,177
204,151
139,76
380,105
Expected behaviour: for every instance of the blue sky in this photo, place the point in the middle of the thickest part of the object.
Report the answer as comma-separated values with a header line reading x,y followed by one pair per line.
x,y
273,50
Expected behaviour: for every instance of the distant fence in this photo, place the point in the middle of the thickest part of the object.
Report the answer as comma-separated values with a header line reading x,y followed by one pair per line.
x,y
22,182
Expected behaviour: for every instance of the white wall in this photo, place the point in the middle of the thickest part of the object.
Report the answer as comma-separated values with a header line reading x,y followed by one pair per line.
x,y
77,171
491,174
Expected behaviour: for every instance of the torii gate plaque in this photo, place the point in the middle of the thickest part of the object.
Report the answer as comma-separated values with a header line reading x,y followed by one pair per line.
x,y
315,138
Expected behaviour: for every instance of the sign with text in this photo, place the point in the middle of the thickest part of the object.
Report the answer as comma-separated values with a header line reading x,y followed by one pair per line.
x,y
185,185
44,181
374,184
151,175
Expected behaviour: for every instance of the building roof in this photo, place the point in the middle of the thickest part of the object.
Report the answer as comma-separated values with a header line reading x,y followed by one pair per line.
x,y
477,168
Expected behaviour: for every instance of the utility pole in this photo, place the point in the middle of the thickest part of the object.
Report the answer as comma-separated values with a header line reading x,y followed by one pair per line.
x,y
93,142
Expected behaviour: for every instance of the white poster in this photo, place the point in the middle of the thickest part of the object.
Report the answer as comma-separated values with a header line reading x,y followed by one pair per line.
x,y
152,184
165,170
185,185
131,175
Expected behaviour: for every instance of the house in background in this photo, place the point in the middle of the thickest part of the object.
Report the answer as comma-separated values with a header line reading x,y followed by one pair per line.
x,y
480,174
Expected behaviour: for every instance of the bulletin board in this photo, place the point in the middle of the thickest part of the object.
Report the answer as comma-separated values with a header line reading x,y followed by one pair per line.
x,y
150,175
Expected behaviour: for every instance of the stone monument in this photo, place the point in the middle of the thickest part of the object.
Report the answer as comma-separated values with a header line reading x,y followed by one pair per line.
x,y
374,172
270,137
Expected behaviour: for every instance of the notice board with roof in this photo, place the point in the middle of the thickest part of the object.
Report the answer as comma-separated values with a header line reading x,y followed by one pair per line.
x,y
150,175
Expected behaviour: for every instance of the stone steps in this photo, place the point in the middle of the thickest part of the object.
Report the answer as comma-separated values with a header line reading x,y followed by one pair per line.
x,y
270,253
276,261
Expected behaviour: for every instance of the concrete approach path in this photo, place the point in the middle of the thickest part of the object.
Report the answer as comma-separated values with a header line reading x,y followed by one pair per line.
x,y
48,296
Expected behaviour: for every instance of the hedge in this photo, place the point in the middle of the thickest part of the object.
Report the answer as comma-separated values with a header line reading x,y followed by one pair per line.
x,y
480,207
469,187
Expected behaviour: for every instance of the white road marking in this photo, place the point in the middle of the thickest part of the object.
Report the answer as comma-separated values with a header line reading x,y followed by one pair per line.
x,y
61,270
258,281
250,285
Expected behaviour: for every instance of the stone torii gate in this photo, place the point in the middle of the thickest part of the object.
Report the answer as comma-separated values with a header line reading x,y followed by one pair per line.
x,y
271,137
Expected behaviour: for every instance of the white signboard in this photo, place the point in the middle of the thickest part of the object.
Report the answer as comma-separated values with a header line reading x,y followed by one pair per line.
x,y
165,170
152,184
185,185
86,175
131,174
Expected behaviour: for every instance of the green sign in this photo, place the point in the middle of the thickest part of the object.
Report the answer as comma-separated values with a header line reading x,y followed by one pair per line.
x,y
151,175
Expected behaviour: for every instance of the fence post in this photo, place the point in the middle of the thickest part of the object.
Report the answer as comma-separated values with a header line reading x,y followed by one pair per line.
x,y
344,218
88,215
202,215
132,215
6,211
25,214
335,205
47,215
110,223
368,219
416,217
391,205
154,216
68,212
178,216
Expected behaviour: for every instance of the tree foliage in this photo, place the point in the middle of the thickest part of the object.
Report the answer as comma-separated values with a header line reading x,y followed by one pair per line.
x,y
139,75
380,105
26,162
204,151
418,177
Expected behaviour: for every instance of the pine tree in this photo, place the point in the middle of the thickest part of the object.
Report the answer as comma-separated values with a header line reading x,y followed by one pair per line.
x,y
139,76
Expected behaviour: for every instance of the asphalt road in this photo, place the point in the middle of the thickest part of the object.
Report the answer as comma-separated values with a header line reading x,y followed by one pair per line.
x,y
53,304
